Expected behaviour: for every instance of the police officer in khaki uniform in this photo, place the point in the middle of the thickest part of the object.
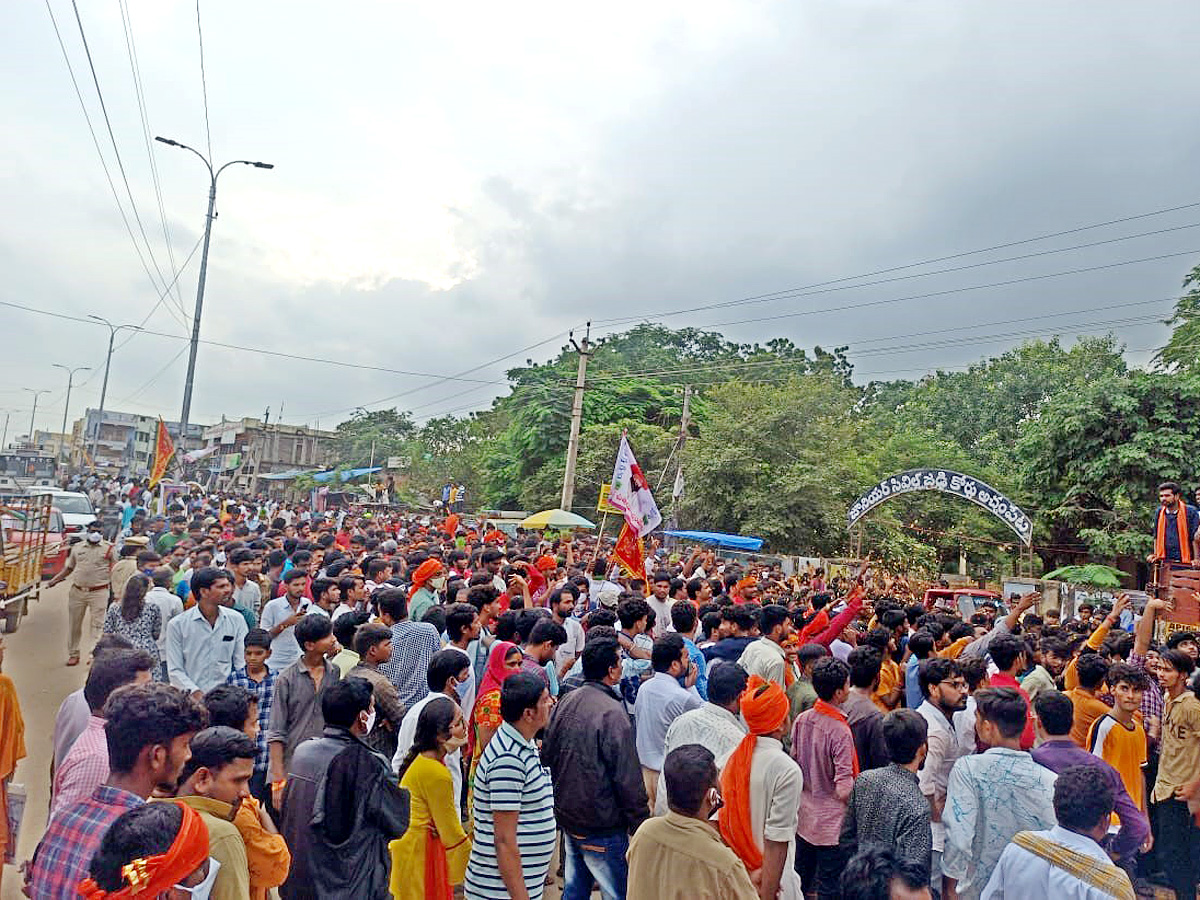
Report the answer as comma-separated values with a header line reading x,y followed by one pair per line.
x,y
90,568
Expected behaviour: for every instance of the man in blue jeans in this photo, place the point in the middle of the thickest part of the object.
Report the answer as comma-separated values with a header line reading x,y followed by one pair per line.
x,y
599,796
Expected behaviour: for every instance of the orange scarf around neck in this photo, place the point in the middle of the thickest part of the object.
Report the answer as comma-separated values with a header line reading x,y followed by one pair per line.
x,y
822,708
765,708
1160,533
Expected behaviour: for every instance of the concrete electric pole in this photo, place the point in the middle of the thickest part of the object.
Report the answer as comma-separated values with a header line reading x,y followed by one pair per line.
x,y
585,351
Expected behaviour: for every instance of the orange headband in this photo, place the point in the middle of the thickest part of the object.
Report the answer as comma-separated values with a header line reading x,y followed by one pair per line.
x,y
152,875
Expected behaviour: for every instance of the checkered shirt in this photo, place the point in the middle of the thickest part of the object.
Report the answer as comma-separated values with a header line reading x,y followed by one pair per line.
x,y
265,691
413,644
83,769
62,858
1152,698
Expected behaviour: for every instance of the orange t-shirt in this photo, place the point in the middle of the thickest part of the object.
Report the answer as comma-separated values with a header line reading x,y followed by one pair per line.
x,y
1124,749
889,678
1087,710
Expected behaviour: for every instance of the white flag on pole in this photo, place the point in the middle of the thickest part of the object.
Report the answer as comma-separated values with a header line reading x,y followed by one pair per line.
x,y
630,493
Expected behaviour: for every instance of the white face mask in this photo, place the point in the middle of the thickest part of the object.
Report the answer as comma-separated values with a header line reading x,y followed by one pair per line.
x,y
370,723
203,890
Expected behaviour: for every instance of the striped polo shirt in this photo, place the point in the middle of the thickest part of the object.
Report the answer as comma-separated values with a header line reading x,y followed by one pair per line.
x,y
510,778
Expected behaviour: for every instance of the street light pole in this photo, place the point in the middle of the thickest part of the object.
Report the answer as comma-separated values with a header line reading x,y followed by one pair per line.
x,y
33,414
112,333
212,202
67,405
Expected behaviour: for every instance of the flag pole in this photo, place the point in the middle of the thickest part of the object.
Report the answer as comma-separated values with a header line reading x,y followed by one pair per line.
x,y
599,537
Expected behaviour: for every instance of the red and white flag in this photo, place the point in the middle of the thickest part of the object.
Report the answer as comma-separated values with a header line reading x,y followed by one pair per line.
x,y
630,493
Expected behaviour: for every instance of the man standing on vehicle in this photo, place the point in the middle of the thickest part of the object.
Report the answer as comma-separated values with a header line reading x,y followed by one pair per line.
x,y
89,567
1176,527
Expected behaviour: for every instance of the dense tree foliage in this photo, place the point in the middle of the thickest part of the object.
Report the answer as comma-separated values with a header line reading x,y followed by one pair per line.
x,y
781,441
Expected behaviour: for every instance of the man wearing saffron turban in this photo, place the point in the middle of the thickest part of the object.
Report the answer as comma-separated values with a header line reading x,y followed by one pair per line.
x,y
761,785
428,578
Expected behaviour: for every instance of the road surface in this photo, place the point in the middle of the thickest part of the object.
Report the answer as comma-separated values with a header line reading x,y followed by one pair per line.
x,y
35,658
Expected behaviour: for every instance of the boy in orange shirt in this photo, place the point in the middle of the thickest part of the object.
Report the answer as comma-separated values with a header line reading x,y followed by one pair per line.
x,y
1117,736
1093,670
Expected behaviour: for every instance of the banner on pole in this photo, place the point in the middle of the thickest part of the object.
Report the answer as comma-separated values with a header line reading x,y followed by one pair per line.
x,y
628,552
603,505
164,450
630,493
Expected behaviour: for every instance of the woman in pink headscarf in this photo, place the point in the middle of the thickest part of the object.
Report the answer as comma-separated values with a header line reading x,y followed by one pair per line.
x,y
504,660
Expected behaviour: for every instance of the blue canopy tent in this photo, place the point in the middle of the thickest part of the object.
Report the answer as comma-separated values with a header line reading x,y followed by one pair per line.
x,y
283,476
732,541
347,475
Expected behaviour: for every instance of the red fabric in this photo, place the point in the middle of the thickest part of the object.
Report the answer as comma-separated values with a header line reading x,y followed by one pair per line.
x,y
842,619
1000,679
818,624
437,869
496,673
628,552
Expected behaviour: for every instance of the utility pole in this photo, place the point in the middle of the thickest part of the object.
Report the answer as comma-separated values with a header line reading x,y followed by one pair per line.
x,y
67,405
685,419
585,351
4,440
112,333
33,414
212,203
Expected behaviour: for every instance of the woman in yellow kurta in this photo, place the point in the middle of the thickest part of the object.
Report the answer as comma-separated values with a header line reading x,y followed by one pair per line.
x,y
432,855
12,747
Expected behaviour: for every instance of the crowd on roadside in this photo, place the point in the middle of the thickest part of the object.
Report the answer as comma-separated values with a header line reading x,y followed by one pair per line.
x,y
364,706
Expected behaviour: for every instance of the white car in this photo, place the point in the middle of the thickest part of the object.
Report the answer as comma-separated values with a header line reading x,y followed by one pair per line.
x,y
76,508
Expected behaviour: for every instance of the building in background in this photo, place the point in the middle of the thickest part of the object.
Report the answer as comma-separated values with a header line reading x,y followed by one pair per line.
x,y
123,442
240,451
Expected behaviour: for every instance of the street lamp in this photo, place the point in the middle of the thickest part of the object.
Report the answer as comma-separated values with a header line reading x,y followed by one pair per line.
x,y
33,415
212,202
67,405
112,333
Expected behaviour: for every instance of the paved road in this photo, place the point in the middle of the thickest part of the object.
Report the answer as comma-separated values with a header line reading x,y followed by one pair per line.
x,y
35,659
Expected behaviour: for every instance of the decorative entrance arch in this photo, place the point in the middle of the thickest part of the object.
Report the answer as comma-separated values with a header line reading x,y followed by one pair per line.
x,y
947,482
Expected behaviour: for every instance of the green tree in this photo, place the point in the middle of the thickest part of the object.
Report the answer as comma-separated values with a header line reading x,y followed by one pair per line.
x,y
374,434
1182,351
985,409
1095,458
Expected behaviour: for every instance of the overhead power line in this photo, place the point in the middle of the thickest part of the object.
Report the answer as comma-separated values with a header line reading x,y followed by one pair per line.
x,y
788,293
143,114
99,152
203,81
113,140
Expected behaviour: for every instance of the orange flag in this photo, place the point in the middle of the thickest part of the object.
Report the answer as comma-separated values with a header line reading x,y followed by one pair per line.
x,y
628,552
164,450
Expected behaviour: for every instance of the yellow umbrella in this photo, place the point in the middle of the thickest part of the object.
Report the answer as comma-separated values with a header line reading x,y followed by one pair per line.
x,y
555,518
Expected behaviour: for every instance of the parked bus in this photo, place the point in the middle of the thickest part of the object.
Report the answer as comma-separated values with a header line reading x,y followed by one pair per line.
x,y
21,470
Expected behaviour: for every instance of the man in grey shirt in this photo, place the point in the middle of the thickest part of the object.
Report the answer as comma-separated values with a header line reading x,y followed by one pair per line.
x,y
660,701
296,706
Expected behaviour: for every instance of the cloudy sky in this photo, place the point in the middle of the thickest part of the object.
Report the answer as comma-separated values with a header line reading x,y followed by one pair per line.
x,y
457,185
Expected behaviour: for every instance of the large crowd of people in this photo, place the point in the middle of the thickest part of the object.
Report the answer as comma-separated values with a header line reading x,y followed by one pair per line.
x,y
356,705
